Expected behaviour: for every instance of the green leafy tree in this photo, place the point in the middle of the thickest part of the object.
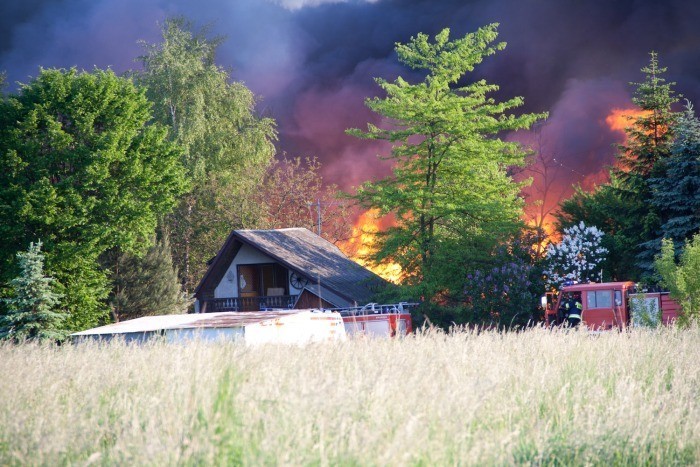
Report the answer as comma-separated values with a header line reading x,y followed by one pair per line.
x,y
227,147
450,192
682,278
84,172
677,194
146,285
32,312
648,145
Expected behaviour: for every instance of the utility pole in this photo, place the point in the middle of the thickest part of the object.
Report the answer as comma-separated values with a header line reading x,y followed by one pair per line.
x,y
318,276
318,213
318,205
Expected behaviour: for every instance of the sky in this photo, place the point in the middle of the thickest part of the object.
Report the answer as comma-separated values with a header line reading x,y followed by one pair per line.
x,y
312,62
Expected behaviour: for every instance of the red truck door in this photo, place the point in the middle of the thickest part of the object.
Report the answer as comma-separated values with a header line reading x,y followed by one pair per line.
x,y
604,308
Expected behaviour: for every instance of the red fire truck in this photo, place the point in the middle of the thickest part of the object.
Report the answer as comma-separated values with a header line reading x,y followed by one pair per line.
x,y
376,320
608,305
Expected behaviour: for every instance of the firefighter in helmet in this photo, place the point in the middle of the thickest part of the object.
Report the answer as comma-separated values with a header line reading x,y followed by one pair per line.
x,y
563,310
574,308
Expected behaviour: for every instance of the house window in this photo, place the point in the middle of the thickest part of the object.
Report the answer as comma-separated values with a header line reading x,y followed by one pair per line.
x,y
257,280
599,299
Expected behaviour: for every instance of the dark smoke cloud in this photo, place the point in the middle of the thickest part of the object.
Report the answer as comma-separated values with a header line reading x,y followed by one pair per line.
x,y
312,61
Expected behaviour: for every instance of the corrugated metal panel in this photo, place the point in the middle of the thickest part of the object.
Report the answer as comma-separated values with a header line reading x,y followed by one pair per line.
x,y
189,321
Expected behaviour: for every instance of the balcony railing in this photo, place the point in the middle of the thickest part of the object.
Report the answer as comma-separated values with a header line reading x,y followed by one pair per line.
x,y
260,303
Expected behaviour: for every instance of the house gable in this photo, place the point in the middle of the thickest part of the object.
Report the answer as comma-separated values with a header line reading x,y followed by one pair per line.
x,y
342,281
318,260
229,281
206,289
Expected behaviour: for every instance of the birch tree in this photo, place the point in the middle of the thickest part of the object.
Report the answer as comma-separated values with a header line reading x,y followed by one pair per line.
x,y
227,147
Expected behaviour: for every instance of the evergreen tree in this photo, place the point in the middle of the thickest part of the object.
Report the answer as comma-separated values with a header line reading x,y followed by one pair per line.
x,y
146,286
31,313
650,136
677,194
648,145
450,193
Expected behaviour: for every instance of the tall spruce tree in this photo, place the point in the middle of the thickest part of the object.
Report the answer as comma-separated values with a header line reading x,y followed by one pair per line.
x,y
642,157
450,193
147,285
32,314
650,135
677,194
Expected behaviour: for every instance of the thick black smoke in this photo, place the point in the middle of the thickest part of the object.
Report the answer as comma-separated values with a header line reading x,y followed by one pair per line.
x,y
312,61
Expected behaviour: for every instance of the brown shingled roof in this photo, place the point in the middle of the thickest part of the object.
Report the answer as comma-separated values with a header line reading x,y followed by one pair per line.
x,y
307,254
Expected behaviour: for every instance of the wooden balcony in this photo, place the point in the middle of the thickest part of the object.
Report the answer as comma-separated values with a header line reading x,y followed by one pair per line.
x,y
260,303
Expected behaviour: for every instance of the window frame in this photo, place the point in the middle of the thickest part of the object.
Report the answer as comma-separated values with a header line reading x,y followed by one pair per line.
x,y
261,286
593,304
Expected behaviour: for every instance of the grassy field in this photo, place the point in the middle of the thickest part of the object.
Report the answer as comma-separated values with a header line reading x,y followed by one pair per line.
x,y
537,397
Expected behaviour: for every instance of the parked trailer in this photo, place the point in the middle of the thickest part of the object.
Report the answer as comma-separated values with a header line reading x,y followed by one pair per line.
x,y
608,305
253,328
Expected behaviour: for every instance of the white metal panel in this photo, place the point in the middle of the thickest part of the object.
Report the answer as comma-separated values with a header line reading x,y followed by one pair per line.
x,y
354,327
143,324
299,328
378,328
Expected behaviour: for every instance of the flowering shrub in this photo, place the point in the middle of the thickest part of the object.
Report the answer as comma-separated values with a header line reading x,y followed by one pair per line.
x,y
577,257
501,295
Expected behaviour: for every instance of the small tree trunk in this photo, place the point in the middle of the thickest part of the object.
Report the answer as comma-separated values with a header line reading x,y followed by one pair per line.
x,y
188,235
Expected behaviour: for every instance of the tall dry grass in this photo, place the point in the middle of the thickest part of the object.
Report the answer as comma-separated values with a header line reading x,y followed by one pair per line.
x,y
537,397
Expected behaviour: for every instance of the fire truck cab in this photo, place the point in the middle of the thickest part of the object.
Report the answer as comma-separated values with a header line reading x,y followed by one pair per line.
x,y
608,305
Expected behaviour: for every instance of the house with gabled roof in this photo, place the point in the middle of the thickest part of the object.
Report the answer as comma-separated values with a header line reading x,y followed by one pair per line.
x,y
283,268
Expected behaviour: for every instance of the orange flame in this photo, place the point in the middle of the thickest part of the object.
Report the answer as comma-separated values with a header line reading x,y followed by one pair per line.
x,y
621,119
624,119
362,243
550,235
